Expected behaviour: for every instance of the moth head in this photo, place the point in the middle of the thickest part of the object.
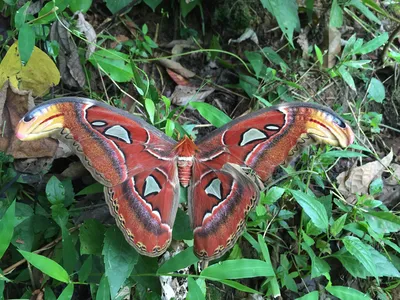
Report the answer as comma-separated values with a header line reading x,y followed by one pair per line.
x,y
327,127
42,121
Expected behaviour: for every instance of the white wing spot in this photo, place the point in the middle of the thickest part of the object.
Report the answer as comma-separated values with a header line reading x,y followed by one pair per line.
x,y
99,123
214,188
272,127
151,186
252,135
119,132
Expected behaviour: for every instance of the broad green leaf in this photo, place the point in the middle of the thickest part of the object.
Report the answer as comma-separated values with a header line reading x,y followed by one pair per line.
x,y
26,43
358,64
188,6
20,15
194,291
80,5
55,191
274,285
179,261
313,208
48,13
357,248
46,265
286,15
383,221
91,236
86,269
342,153
67,292
274,57
94,188
49,294
318,265
318,52
169,127
383,266
103,293
336,16
338,225
273,195
182,229
374,44
344,73
240,268
119,259
376,90
7,228
150,108
310,296
248,84
59,214
345,293
351,264
153,3
365,11
69,253
212,114
147,265
114,63
255,60
116,5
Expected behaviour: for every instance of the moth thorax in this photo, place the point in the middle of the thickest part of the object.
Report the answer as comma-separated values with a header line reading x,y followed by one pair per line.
x,y
185,169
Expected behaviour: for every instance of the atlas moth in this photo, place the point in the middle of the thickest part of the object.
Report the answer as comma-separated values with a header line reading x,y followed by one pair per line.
x,y
141,168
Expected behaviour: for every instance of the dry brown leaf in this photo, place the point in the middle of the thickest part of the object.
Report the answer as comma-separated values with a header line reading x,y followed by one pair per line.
x,y
13,106
68,58
176,67
178,79
332,43
358,179
87,29
390,195
182,95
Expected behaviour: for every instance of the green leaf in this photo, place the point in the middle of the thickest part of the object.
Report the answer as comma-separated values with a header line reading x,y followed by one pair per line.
x,y
310,296
103,293
94,188
67,292
359,250
318,265
26,42
255,60
376,90
273,195
238,286
182,229
286,15
91,236
7,228
211,113
187,7
20,15
69,253
338,225
373,44
336,16
351,264
342,153
365,11
345,292
236,269
382,221
194,291
119,259
274,57
248,84
116,5
273,283
319,54
114,63
181,260
80,5
150,108
147,265
46,265
86,269
313,208
153,3
344,73
55,191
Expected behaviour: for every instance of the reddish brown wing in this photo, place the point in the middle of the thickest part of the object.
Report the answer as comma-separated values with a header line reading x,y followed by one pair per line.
x,y
261,141
131,158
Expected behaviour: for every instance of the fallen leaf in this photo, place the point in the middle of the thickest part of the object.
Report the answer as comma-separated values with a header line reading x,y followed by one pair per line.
x,y
14,104
68,58
176,67
247,34
178,79
38,75
184,94
87,29
334,45
391,189
358,179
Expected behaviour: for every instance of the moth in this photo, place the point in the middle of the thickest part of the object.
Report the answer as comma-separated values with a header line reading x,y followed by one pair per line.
x,y
141,168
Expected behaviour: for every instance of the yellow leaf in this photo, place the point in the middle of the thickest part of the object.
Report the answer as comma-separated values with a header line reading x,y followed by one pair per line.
x,y
38,75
